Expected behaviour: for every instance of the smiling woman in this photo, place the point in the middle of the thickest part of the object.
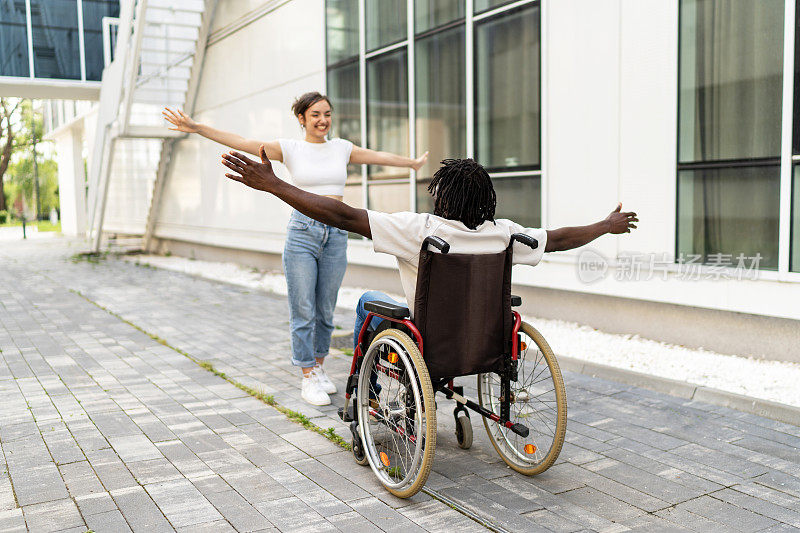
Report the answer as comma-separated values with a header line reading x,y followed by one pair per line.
x,y
315,254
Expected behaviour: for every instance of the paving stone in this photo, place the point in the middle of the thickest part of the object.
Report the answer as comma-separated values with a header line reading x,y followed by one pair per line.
x,y
140,511
240,513
291,514
107,522
52,516
729,515
182,503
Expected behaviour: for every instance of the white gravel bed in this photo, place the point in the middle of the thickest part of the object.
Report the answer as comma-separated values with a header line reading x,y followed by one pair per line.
x,y
769,380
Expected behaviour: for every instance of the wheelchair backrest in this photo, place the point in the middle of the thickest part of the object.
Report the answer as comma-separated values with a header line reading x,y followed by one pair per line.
x,y
463,311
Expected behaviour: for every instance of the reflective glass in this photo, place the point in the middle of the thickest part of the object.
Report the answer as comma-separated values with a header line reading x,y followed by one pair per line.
x,y
389,197
507,101
731,62
386,22
729,211
56,48
440,93
387,109
429,14
341,21
93,13
13,39
519,199
795,249
343,91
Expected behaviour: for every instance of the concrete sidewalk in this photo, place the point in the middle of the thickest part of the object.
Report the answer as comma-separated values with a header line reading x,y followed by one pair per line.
x,y
103,427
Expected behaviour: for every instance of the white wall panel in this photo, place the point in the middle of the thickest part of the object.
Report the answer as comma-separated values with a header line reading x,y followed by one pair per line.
x,y
648,122
582,125
249,82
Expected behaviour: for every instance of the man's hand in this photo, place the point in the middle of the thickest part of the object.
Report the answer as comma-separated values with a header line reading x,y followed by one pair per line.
x,y
619,222
252,173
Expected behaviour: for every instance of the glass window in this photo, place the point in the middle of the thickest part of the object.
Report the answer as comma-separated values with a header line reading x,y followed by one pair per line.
x,y
507,101
387,109
518,199
93,13
731,62
430,15
485,5
56,48
440,107
794,262
13,39
729,211
341,22
389,197
343,90
386,22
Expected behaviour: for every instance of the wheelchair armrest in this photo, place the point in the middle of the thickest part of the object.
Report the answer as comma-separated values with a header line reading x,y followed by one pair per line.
x,y
387,309
516,301
526,240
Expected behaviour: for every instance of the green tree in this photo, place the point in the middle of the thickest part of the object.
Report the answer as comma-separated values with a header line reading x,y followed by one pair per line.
x,y
21,185
8,109
27,124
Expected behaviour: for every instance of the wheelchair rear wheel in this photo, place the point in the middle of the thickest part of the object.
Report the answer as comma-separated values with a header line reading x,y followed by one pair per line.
x,y
397,413
538,401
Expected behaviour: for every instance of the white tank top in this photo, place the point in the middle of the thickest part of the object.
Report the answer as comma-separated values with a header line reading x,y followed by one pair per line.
x,y
320,168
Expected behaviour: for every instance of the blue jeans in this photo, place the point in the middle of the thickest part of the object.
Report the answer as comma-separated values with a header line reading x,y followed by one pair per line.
x,y
361,313
314,261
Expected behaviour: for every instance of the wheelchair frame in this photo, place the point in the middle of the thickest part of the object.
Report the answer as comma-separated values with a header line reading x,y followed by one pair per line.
x,y
508,372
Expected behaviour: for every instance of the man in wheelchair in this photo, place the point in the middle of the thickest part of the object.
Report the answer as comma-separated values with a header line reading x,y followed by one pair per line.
x,y
455,269
463,217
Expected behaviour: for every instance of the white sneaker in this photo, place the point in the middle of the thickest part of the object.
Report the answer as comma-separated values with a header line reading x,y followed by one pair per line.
x,y
312,392
324,381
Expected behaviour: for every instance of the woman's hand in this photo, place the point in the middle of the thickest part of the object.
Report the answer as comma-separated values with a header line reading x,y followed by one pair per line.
x,y
256,175
180,120
420,161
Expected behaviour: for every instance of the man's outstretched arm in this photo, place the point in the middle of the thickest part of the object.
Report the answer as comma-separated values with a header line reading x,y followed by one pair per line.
x,y
326,210
568,238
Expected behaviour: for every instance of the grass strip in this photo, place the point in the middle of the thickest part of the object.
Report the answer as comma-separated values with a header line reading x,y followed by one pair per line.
x,y
269,399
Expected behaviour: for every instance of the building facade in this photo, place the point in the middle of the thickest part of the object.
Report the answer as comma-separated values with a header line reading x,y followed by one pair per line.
x,y
684,111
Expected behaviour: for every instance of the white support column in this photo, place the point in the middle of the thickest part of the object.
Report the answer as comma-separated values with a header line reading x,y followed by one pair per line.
x,y
362,89
469,80
785,216
71,180
412,99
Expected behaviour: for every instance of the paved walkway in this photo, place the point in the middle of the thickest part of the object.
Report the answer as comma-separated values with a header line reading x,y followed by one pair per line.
x,y
104,428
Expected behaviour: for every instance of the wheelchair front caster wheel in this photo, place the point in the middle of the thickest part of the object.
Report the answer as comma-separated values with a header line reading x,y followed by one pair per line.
x,y
463,431
359,454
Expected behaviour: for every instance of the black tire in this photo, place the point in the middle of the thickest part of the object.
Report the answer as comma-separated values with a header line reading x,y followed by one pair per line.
x,y
540,403
463,431
396,414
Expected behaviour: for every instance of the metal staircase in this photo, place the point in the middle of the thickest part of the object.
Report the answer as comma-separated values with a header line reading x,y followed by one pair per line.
x,y
160,49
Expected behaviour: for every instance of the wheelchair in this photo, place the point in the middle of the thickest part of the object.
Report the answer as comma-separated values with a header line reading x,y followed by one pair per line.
x,y
463,325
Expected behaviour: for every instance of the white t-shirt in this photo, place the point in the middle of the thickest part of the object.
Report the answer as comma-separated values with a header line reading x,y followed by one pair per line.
x,y
320,168
401,235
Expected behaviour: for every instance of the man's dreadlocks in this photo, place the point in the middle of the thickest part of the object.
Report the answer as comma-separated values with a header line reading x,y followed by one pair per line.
x,y
462,190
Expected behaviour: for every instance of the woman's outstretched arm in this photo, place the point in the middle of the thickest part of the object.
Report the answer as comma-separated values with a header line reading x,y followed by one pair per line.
x,y
183,122
371,157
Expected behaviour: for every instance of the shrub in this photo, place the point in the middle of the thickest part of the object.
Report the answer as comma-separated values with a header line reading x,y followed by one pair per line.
x,y
3,217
